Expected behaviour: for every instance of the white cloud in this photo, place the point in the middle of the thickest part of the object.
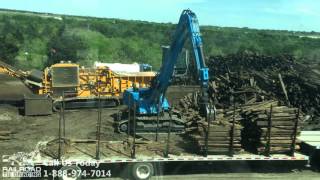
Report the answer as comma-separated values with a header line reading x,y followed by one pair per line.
x,y
307,10
295,8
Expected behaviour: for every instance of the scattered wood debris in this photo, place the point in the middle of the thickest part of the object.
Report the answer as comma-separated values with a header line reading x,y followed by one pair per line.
x,y
5,135
282,77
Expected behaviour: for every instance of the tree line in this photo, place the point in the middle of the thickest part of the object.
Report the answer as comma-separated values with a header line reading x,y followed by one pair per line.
x,y
35,41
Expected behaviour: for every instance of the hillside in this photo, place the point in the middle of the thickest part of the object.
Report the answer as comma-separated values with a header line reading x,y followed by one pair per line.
x,y
36,40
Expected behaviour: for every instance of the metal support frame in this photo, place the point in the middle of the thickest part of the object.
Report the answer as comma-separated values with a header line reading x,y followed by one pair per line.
x,y
294,135
208,119
231,148
62,125
267,149
98,133
129,120
133,154
168,137
63,114
158,114
60,136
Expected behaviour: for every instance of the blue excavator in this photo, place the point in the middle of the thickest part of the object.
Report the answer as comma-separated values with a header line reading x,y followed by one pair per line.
x,y
148,106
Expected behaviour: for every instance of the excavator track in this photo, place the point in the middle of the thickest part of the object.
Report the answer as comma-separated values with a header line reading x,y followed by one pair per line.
x,y
148,124
78,103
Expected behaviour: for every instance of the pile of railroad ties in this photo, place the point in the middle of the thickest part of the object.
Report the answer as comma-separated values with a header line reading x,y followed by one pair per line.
x,y
264,127
258,107
293,82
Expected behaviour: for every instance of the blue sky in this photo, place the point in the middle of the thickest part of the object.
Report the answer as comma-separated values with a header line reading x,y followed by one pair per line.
x,y
300,15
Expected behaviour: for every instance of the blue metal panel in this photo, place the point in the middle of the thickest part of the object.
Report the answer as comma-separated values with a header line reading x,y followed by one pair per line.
x,y
143,106
204,74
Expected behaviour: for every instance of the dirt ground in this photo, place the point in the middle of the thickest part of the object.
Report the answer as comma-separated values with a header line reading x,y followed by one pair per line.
x,y
80,124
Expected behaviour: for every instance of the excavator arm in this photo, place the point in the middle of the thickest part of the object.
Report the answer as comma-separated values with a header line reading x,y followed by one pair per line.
x,y
152,100
187,27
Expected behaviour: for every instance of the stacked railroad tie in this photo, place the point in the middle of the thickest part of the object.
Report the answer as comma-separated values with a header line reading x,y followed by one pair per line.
x,y
264,127
224,133
223,137
270,128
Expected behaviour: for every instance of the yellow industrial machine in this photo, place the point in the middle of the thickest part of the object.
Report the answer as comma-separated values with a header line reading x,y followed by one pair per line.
x,y
76,86
80,87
